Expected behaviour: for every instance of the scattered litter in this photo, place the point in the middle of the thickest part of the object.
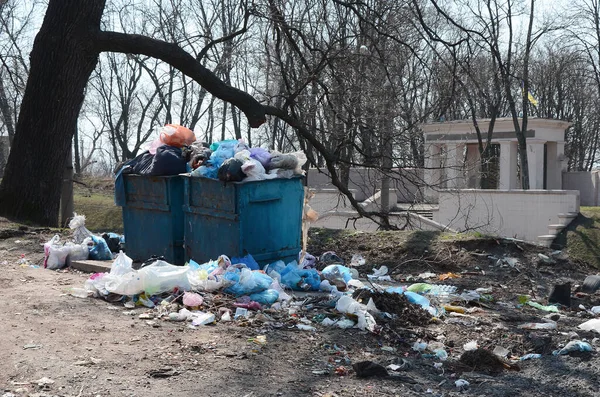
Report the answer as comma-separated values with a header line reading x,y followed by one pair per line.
x,y
501,351
549,308
44,382
546,259
540,326
446,276
461,384
471,345
591,325
574,346
163,373
561,294
305,327
367,369
530,356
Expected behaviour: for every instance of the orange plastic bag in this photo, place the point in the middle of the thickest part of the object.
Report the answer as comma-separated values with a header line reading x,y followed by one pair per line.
x,y
177,135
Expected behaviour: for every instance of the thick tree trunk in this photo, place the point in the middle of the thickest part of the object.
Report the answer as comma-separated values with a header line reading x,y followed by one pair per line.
x,y
62,59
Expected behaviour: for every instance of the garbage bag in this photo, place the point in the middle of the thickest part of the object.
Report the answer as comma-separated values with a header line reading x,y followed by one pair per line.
x,y
168,160
113,241
122,279
255,171
80,232
55,254
246,281
161,277
262,155
176,135
231,171
247,260
208,170
300,279
223,150
77,252
98,248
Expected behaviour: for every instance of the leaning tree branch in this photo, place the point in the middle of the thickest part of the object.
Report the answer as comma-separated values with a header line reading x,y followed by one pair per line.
x,y
187,64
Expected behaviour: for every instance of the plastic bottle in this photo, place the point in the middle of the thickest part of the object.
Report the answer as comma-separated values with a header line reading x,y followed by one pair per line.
x,y
547,326
79,292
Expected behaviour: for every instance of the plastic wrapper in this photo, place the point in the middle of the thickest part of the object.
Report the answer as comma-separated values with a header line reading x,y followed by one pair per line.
x,y
80,232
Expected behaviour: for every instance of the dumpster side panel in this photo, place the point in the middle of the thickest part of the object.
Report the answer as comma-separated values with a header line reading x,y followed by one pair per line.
x,y
153,217
263,218
271,219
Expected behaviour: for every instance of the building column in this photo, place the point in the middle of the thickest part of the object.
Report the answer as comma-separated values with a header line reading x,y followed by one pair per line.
x,y
535,157
432,174
508,165
454,165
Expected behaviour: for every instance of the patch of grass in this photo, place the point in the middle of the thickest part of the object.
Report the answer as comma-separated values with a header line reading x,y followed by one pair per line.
x,y
582,237
101,213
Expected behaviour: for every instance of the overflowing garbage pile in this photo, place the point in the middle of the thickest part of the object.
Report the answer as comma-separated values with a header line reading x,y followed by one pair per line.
x,y
299,295
181,293
84,245
176,151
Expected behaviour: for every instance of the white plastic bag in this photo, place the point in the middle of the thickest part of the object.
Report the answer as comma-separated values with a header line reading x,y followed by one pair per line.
x,y
55,254
80,232
77,252
162,277
122,279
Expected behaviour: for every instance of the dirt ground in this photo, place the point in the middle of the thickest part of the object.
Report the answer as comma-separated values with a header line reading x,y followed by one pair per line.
x,y
57,344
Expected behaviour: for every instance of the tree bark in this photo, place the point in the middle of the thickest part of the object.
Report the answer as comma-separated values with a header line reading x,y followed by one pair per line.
x,y
62,60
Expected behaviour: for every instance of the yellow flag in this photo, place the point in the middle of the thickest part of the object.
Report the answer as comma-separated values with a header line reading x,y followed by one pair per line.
x,y
532,100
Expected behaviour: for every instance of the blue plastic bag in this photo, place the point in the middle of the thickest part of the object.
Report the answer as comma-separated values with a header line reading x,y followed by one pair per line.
x,y
246,281
247,260
300,279
99,251
266,297
277,266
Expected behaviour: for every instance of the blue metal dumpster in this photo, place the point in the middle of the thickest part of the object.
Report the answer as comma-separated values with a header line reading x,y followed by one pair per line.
x,y
262,218
153,217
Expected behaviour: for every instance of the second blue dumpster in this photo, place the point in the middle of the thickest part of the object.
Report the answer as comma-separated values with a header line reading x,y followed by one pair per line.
x,y
262,218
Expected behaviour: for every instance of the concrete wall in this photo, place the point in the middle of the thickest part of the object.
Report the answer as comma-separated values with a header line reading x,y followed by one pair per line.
x,y
588,184
364,182
350,220
3,153
522,214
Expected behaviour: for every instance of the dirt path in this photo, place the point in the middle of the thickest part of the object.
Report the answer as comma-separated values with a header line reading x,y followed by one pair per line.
x,y
90,347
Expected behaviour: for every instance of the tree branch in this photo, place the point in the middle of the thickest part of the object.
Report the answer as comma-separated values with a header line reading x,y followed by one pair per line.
x,y
187,64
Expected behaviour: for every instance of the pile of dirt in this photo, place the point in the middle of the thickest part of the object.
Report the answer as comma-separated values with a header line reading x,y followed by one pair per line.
x,y
407,313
